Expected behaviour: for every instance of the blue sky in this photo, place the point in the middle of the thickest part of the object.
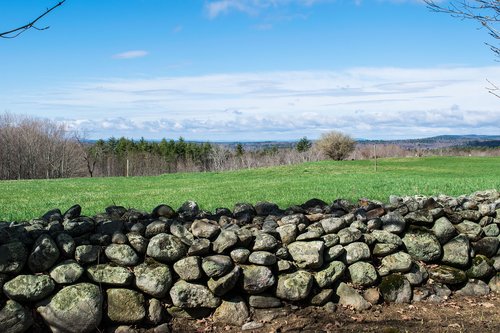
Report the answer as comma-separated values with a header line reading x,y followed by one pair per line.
x,y
249,69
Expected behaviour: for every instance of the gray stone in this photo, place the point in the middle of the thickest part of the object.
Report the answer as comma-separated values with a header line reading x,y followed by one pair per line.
x,y
371,295
330,274
322,297
383,249
334,253
447,274
240,256
262,258
288,233
87,254
156,313
66,245
221,286
189,268
264,242
456,252
494,283
472,230
200,247
257,279
444,230
399,262
180,231
481,268
393,222
491,230
12,257
356,251
349,297
395,288
349,235
204,229
74,309
153,278
14,318
363,274
216,265
264,301
330,240
474,288
125,306
189,210
79,226
44,254
29,288
293,219
472,215
233,311
138,242
225,240
294,286
122,254
333,224
311,234
420,217
284,265
307,254
486,246
110,274
190,295
422,245
252,325
166,248
119,238
383,236
417,274
66,272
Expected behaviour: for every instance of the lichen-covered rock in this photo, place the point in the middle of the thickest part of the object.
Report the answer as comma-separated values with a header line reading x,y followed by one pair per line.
x,y
456,252
189,268
349,235
447,274
179,230
125,306
356,251
470,229
138,242
363,274
240,256
265,242
153,278
257,279
383,236
200,247
264,301
444,230
288,233
487,246
417,274
43,255
66,272
122,254
29,288
334,253
216,265
14,318
12,257
87,254
474,288
220,286
189,210
74,309
349,297
110,274
494,283
395,288
294,286
330,274
481,268
262,258
190,295
205,229
225,240
307,254
393,222
166,248
233,311
383,249
422,245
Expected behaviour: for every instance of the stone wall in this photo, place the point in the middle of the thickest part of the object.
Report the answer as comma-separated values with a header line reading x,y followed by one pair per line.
x,y
72,273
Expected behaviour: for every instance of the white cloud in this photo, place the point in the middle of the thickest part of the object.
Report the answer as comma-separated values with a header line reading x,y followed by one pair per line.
x,y
131,54
216,8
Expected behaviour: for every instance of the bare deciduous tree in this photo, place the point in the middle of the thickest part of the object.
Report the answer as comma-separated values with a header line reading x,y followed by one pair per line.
x,y
336,145
13,33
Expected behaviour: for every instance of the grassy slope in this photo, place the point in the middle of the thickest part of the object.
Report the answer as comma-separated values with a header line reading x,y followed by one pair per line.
x,y
284,185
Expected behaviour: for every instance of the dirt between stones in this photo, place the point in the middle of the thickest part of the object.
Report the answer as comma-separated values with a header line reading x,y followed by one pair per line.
x,y
456,314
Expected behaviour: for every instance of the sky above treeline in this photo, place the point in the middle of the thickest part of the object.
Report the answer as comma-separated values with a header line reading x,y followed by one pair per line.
x,y
249,70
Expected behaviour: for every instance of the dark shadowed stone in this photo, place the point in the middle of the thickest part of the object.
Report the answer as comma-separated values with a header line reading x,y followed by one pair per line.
x,y
78,226
444,230
456,252
225,240
420,217
205,229
166,248
395,288
322,297
119,238
110,274
156,228
363,274
294,286
12,257
153,278
422,244
73,212
122,254
179,230
262,258
447,275
87,254
53,215
417,274
29,288
264,208
393,222
190,295
74,309
243,211
221,286
189,210
216,265
138,242
307,254
330,274
200,247
472,230
109,227
66,245
163,210
486,246
125,306
348,296
14,318
116,211
264,301
66,272
256,279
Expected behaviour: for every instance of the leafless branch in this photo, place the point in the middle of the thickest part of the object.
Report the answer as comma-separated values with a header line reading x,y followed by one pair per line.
x,y
31,25
493,89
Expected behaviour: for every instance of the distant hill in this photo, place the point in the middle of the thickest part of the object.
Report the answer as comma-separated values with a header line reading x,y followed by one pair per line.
x,y
443,141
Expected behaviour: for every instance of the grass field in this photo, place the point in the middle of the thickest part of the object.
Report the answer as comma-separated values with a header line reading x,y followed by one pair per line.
x,y
285,185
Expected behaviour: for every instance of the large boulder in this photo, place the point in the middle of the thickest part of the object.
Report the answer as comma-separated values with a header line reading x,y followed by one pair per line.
x,y
166,248
447,275
294,286
29,288
74,309
307,254
456,252
153,278
190,295
422,244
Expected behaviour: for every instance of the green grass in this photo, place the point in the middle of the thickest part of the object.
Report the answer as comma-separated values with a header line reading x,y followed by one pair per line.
x,y
285,185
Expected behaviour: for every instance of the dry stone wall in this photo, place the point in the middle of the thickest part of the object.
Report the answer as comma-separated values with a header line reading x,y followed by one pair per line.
x,y
71,273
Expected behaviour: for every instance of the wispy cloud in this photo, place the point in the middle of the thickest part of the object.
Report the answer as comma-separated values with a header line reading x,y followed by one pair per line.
x,y
131,54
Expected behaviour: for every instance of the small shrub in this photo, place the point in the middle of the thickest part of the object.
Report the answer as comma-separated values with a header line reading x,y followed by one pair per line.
x,y
336,145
